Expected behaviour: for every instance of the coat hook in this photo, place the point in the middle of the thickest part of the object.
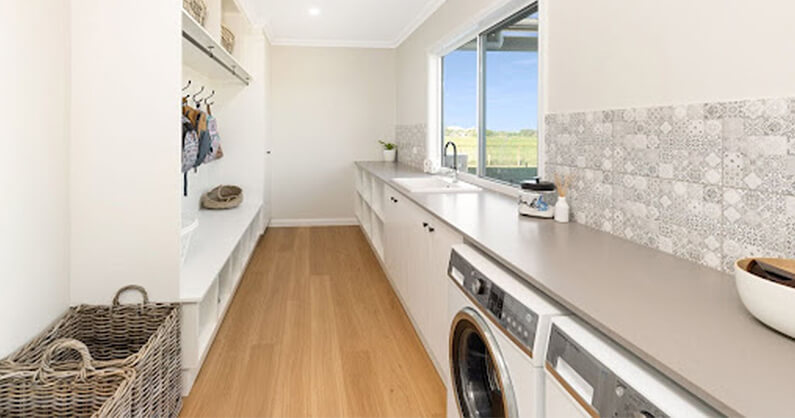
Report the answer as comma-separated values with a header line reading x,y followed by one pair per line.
x,y
209,97
187,85
198,93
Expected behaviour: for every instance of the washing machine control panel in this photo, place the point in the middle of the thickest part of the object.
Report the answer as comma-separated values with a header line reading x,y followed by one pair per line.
x,y
598,386
501,307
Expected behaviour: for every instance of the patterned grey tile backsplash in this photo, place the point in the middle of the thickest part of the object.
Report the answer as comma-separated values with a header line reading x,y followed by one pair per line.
x,y
411,146
706,182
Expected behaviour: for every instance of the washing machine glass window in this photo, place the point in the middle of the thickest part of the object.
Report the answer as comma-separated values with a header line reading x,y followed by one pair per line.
x,y
479,374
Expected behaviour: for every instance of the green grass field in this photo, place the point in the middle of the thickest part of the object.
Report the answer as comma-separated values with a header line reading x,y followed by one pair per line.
x,y
509,156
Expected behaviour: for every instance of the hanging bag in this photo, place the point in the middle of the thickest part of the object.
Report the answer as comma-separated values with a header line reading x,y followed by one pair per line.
x,y
215,139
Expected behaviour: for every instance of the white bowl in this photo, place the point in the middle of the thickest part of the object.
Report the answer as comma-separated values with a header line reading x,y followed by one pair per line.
x,y
770,302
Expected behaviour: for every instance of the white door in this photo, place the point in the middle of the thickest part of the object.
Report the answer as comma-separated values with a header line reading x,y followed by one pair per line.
x,y
266,198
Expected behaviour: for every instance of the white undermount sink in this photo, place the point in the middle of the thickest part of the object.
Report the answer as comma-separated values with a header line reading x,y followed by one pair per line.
x,y
435,185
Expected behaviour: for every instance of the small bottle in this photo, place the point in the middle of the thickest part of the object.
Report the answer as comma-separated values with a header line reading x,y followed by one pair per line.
x,y
562,207
562,210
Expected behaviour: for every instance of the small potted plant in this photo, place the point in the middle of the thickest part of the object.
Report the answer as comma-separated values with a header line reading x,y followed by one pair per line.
x,y
390,151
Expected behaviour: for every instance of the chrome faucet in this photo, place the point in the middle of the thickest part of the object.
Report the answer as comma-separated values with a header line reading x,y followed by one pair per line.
x,y
455,159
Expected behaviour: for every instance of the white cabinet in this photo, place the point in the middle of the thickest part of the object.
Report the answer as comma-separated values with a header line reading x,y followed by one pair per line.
x,y
417,249
395,239
417,259
442,238
414,248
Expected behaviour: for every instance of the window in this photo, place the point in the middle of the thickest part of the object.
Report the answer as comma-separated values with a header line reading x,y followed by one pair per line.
x,y
460,104
490,100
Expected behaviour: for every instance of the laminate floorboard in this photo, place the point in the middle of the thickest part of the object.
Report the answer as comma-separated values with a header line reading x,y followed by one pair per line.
x,y
316,330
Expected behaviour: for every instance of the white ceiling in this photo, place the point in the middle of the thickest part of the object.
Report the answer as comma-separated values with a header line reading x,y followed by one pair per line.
x,y
351,23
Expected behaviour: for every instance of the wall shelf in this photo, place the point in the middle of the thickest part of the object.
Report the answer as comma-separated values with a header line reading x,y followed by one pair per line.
x,y
203,53
211,247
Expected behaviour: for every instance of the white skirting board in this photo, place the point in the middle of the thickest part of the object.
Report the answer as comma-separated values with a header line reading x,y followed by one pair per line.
x,y
282,223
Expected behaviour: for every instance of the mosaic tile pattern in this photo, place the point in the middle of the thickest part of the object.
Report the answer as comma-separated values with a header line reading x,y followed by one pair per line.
x,y
706,182
411,145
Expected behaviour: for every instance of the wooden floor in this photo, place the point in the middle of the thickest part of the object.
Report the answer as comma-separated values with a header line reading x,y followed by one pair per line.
x,y
316,330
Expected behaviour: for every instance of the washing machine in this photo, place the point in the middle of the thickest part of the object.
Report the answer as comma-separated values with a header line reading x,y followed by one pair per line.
x,y
498,332
587,375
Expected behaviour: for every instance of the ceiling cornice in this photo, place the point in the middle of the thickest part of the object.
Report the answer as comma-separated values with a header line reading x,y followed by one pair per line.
x,y
266,28
331,43
426,12
407,30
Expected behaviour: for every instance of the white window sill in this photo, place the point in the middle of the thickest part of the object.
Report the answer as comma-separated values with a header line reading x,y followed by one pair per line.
x,y
485,183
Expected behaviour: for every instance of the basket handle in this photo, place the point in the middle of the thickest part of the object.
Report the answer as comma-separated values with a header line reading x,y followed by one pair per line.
x,y
135,287
86,361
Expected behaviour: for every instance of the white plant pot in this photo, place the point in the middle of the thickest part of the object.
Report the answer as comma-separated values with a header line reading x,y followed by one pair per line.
x,y
390,155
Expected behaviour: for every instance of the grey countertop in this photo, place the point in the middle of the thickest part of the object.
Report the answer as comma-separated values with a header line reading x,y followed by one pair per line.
x,y
684,319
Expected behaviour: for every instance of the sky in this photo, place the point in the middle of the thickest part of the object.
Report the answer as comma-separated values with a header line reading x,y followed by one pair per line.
x,y
511,90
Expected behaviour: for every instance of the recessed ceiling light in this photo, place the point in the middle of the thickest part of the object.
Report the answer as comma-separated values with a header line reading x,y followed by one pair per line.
x,y
314,11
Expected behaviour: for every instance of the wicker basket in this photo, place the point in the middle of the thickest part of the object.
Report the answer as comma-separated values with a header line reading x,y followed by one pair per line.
x,y
145,337
223,197
81,392
197,9
227,39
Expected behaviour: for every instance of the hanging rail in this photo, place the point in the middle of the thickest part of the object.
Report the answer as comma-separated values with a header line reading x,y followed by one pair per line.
x,y
208,51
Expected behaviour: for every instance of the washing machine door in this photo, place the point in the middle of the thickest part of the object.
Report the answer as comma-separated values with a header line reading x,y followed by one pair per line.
x,y
480,381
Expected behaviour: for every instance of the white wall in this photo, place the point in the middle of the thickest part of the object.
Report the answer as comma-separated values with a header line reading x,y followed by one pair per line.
x,y
34,174
452,18
619,53
239,111
329,107
242,122
125,130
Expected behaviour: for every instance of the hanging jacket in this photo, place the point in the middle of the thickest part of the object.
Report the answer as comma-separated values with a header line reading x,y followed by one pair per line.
x,y
199,120
190,145
190,151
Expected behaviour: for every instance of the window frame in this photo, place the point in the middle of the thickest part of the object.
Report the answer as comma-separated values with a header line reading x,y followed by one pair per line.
x,y
480,34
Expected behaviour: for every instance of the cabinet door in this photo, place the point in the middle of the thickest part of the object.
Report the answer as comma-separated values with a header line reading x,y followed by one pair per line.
x,y
416,263
442,238
393,237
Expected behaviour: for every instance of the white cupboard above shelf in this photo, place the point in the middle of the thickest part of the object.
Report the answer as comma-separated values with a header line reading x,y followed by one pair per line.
x,y
206,55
